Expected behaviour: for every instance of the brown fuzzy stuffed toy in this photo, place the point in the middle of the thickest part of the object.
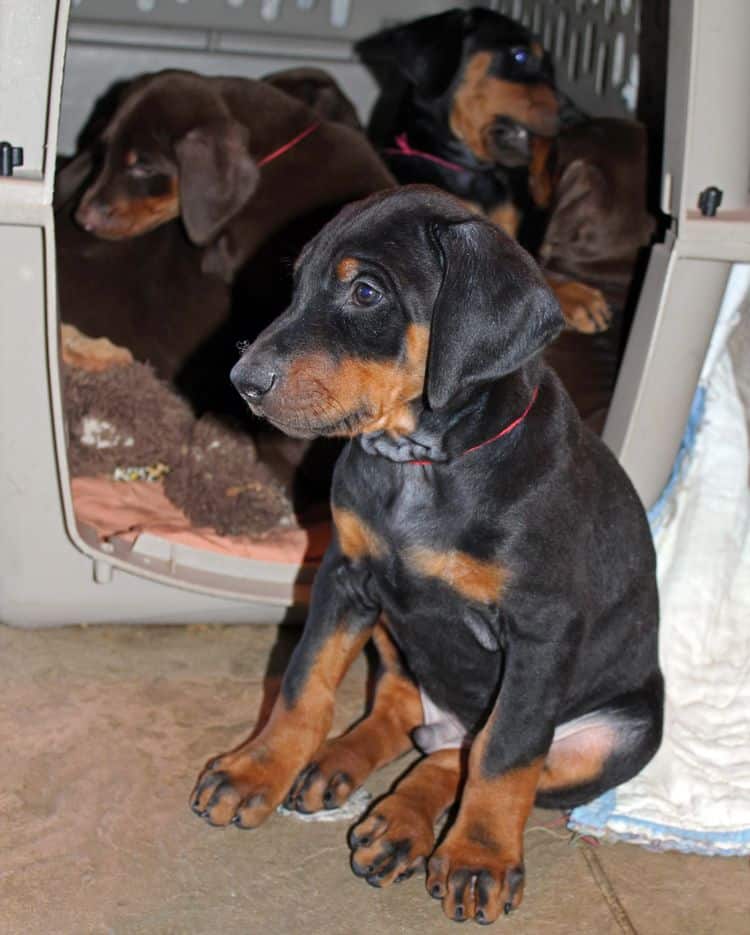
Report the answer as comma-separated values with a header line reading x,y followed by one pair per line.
x,y
122,421
221,481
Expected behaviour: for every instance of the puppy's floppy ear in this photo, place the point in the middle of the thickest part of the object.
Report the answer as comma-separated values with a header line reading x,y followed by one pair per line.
x,y
579,212
426,52
493,311
217,176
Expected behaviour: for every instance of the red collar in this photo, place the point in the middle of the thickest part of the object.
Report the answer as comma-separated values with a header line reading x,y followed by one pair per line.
x,y
403,148
290,145
505,431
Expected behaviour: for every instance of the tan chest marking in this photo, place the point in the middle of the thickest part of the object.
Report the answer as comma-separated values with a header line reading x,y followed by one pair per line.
x,y
507,217
540,176
471,577
356,538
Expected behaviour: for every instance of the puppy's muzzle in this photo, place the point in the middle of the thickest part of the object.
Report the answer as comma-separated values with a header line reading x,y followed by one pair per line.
x,y
93,216
509,142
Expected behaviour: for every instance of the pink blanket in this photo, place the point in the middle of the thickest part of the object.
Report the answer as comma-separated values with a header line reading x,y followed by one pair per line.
x,y
126,510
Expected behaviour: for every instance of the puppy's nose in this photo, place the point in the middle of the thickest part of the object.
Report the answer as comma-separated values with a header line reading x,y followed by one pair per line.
x,y
93,215
252,380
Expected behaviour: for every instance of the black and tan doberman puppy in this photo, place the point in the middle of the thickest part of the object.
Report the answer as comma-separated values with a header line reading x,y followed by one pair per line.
x,y
469,102
488,542
466,95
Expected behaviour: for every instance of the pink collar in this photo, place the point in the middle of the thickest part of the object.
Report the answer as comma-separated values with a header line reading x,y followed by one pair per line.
x,y
505,431
403,148
290,145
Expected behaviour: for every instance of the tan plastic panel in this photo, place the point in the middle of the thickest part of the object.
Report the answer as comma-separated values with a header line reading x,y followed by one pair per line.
x,y
659,373
27,35
326,19
707,138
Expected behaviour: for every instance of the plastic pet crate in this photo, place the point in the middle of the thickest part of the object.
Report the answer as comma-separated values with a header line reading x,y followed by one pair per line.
x,y
55,572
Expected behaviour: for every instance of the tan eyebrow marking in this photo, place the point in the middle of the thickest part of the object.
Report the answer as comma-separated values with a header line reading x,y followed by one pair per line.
x,y
347,269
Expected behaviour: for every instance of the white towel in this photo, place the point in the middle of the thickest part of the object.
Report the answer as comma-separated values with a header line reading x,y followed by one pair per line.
x,y
695,794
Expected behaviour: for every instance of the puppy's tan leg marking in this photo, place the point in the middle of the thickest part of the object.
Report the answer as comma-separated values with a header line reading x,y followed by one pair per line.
x,y
344,763
540,177
245,785
356,538
478,869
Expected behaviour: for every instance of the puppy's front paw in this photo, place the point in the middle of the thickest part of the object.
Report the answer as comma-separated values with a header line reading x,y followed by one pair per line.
x,y
241,788
474,881
584,309
391,842
320,786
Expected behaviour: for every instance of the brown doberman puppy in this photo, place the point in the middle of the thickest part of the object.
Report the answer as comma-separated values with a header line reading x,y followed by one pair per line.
x,y
487,541
598,227
200,192
235,159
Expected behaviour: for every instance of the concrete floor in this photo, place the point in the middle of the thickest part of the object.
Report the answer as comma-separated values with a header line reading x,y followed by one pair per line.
x,y
104,730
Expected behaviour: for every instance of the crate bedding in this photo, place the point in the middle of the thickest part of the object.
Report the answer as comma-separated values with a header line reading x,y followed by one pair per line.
x,y
141,462
695,795
126,511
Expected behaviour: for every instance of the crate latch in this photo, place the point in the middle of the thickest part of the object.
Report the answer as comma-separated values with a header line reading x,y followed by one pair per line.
x,y
10,158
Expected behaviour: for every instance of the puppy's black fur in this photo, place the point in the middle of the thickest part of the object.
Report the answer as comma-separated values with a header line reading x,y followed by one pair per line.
x,y
515,571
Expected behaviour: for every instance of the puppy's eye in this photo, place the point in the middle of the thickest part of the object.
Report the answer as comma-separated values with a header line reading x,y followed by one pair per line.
x,y
366,295
521,56
137,166
142,171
